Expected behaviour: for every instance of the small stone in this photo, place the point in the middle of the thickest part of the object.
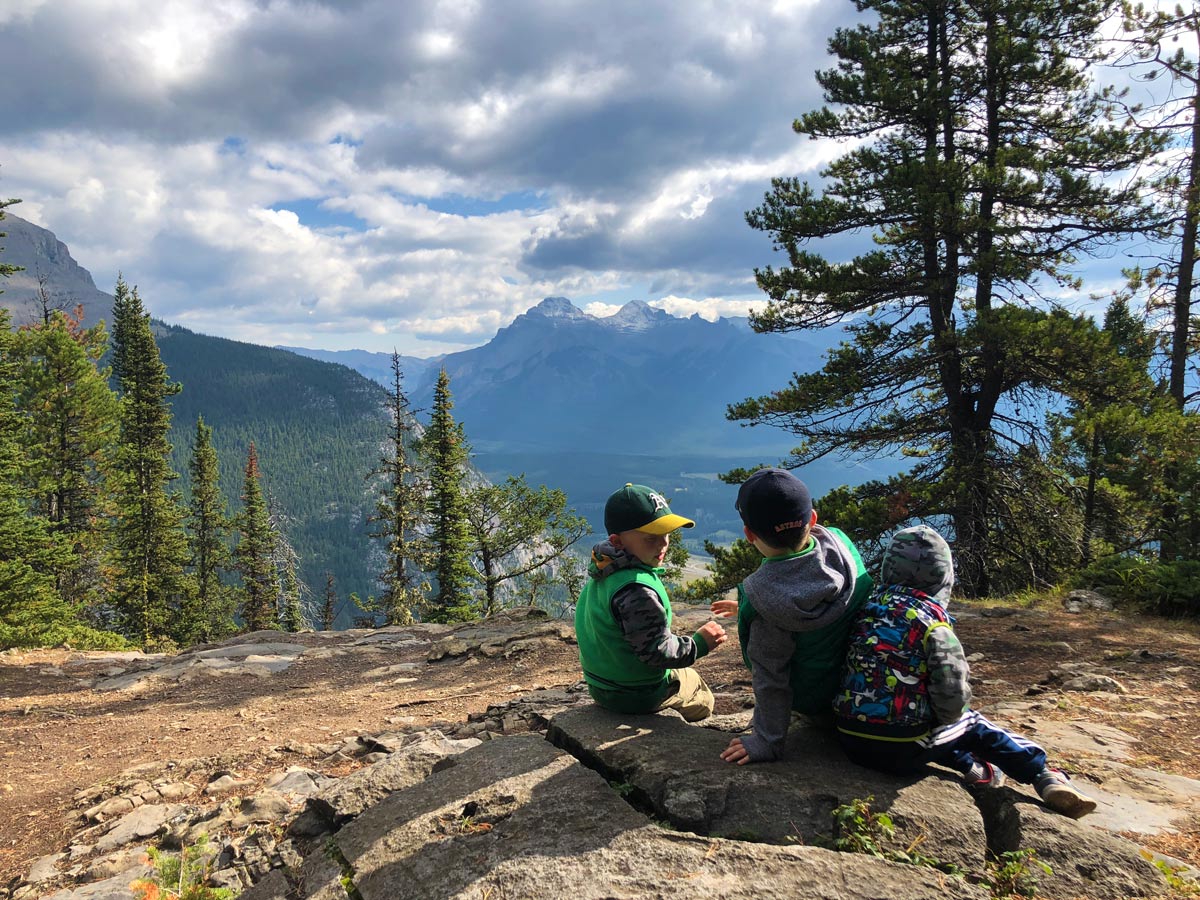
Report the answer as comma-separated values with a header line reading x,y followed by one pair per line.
x,y
45,868
114,806
225,784
1101,683
175,790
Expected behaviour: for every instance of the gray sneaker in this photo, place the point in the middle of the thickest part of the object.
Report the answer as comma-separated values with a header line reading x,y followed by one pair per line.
x,y
1060,795
983,774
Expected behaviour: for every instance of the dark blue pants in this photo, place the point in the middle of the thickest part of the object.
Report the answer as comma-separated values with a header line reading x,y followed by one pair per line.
x,y
956,746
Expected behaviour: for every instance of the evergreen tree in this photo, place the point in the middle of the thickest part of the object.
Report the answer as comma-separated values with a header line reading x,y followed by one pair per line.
x,y
72,417
730,566
516,530
444,449
399,510
255,552
329,607
983,167
7,269
1168,277
212,614
150,552
289,606
31,611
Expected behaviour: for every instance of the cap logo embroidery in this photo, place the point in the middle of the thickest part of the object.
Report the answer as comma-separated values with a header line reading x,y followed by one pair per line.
x,y
660,502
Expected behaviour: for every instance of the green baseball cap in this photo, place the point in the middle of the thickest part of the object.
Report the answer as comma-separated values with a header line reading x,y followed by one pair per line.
x,y
636,507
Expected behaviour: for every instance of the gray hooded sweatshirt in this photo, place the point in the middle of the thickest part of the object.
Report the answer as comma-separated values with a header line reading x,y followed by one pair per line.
x,y
791,594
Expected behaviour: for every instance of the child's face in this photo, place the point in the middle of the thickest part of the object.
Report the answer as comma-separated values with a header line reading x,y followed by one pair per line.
x,y
651,549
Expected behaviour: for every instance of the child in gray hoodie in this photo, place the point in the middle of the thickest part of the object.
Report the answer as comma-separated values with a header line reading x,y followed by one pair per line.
x,y
794,613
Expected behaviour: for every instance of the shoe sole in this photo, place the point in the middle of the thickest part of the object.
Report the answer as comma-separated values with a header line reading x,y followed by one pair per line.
x,y
1068,802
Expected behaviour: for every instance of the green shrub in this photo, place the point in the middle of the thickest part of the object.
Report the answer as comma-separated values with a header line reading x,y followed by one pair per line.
x,y
1168,589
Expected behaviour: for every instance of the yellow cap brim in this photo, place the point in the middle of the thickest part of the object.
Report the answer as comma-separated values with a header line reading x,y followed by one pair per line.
x,y
665,524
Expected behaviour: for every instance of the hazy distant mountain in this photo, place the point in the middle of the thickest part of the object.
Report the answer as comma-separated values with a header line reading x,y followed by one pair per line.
x,y
45,256
638,382
376,366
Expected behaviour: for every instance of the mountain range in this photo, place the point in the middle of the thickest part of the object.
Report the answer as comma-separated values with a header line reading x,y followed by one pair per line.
x,y
640,382
578,402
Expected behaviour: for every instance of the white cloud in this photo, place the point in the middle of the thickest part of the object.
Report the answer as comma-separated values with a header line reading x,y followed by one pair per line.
x,y
710,308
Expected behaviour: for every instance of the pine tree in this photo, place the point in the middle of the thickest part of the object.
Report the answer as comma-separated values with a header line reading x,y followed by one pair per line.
x,y
1168,277
31,611
150,553
73,422
516,530
7,269
329,608
212,614
289,605
982,167
444,449
255,552
399,510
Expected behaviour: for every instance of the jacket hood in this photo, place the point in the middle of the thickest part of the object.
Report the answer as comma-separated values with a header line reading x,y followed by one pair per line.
x,y
919,558
607,559
807,590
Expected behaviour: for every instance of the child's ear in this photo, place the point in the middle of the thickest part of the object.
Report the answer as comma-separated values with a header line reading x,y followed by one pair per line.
x,y
750,535
615,540
814,519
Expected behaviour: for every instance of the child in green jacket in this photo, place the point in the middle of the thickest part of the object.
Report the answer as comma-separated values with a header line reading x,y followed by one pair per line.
x,y
631,660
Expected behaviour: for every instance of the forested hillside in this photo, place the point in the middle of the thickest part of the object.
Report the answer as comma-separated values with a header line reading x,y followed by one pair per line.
x,y
318,429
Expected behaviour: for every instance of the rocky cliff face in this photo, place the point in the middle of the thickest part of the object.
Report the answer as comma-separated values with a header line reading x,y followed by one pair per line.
x,y
46,259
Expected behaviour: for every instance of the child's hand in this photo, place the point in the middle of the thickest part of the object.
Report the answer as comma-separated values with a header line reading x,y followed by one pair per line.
x,y
724,608
713,634
736,753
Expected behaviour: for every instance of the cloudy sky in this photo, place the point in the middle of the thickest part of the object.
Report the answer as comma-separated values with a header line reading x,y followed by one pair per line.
x,y
366,173
374,174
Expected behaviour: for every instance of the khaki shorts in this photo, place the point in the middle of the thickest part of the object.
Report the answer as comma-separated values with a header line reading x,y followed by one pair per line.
x,y
689,695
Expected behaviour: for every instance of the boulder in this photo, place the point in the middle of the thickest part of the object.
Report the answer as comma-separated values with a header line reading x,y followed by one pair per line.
x,y
349,796
518,817
674,771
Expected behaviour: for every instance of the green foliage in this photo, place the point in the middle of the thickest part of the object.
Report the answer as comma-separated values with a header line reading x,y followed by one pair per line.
x,y
730,566
1014,874
181,876
71,416
444,449
316,427
516,530
399,509
211,615
1168,589
857,828
32,612
980,168
150,553
254,552
7,269
1181,885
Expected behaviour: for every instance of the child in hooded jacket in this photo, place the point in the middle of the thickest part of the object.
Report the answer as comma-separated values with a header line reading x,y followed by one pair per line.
x,y
905,696
794,613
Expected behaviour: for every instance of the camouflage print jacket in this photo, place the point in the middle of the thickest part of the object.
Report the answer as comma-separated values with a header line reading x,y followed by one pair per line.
x,y
642,617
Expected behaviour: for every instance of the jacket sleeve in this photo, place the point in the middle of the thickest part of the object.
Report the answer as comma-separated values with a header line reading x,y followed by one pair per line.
x,y
771,650
949,674
643,621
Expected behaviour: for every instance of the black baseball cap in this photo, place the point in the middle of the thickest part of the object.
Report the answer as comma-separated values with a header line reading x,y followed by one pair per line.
x,y
636,507
774,500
